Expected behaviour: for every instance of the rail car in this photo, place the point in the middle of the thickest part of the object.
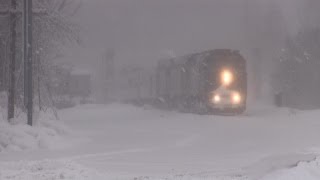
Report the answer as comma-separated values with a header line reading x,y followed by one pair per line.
x,y
213,81
136,85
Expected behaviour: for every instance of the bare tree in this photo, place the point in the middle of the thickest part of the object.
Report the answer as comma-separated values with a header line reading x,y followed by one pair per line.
x,y
54,29
298,71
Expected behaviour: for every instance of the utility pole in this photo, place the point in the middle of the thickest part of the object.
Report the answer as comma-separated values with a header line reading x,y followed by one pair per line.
x,y
27,55
13,34
29,63
25,50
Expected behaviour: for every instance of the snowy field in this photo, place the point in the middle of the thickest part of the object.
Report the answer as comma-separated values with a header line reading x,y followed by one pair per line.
x,y
125,142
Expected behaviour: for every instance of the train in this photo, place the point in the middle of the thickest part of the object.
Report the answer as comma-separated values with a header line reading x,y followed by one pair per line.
x,y
213,81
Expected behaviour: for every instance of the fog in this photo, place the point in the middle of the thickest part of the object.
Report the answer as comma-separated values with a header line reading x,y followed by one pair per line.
x,y
159,89
142,32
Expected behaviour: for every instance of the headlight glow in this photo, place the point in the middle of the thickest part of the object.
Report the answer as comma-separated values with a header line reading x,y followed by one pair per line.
x,y
236,98
216,98
226,77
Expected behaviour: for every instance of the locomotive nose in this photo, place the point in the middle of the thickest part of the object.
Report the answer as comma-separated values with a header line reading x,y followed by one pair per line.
x,y
226,98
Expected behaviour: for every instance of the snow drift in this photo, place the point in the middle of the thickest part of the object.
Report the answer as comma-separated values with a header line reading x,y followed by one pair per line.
x,y
303,171
47,170
46,134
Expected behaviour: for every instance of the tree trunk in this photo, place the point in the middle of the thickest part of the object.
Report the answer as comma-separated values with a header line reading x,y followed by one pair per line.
x,y
30,64
11,96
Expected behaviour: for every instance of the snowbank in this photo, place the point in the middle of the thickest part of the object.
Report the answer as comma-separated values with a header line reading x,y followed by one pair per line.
x,y
303,171
47,170
70,170
46,134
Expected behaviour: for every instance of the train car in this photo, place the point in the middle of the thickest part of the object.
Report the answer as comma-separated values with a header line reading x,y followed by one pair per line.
x,y
135,84
210,81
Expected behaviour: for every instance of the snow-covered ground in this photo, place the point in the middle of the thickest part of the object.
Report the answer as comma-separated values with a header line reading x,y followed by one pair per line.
x,y
48,133
125,142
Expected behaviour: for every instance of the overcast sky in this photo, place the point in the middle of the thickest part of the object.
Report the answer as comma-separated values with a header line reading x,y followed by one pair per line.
x,y
146,30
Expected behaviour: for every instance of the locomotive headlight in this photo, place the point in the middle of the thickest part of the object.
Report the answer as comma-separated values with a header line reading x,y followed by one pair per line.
x,y
236,98
226,77
216,98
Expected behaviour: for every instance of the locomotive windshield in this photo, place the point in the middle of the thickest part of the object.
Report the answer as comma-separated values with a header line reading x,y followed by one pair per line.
x,y
227,70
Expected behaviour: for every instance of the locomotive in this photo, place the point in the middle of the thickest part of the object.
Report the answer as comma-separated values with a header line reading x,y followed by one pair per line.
x,y
213,81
